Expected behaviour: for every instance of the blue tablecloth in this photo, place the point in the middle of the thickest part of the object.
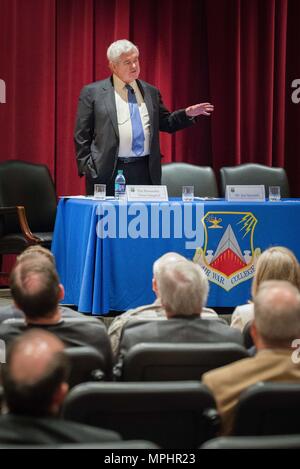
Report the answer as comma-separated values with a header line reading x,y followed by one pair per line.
x,y
102,273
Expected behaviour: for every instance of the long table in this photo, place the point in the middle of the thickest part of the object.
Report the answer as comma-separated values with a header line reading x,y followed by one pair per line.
x,y
105,250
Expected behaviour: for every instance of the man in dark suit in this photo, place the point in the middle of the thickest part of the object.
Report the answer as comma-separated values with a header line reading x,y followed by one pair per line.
x,y
34,383
36,252
36,291
118,123
183,290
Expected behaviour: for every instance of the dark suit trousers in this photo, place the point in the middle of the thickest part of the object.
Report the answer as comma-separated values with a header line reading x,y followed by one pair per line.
x,y
135,173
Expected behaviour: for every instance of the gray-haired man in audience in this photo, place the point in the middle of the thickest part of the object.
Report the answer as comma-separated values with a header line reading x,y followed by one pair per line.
x,y
154,311
183,290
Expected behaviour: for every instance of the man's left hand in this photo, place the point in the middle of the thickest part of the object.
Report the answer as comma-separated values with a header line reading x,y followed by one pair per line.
x,y
203,108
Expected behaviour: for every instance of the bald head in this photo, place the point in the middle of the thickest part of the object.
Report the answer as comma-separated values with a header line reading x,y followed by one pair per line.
x,y
32,356
277,312
34,377
35,287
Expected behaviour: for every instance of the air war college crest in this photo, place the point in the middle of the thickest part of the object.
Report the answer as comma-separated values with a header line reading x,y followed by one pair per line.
x,y
228,256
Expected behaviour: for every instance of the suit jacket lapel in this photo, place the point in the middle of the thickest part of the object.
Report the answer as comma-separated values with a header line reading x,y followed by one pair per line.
x,y
110,103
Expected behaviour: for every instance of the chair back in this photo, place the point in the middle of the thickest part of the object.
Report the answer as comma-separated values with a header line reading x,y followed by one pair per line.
x,y
252,442
166,362
176,175
30,185
87,364
124,445
248,341
172,415
268,409
256,174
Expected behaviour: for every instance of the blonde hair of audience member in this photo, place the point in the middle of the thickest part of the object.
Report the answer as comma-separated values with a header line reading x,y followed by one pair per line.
x,y
35,375
276,315
276,263
183,288
35,251
169,257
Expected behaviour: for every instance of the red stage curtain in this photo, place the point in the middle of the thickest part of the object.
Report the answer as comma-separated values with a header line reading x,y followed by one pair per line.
x,y
242,55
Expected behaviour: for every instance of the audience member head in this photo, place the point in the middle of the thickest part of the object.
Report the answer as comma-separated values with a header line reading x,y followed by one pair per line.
x,y
182,288
276,315
34,252
276,263
35,374
35,287
169,257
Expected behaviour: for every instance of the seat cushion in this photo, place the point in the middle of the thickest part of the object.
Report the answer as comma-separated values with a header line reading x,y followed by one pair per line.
x,y
16,242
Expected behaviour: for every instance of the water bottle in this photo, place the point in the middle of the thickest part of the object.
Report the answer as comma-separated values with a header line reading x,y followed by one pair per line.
x,y
120,185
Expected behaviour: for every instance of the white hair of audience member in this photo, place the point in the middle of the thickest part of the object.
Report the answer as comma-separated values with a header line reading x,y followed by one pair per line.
x,y
166,259
117,48
183,288
277,312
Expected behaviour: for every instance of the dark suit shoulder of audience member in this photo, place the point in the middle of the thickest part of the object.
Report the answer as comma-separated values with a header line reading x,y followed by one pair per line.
x,y
23,430
175,330
179,329
73,334
12,312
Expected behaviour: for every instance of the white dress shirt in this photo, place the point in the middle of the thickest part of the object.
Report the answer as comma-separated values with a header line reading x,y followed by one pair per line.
x,y
124,121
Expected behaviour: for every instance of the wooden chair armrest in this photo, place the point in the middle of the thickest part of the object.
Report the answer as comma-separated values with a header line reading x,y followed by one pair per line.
x,y
21,214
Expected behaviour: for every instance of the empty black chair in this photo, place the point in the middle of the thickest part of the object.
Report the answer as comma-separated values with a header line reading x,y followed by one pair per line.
x,y
172,415
268,409
164,362
87,364
252,442
27,206
176,175
252,173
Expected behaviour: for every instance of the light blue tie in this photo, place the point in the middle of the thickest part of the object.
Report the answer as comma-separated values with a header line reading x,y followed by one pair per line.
x,y
138,136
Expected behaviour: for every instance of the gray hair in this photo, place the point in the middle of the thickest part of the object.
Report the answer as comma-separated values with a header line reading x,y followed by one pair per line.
x,y
183,288
277,312
164,260
117,48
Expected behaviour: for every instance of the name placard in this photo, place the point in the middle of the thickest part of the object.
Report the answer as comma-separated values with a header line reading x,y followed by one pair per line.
x,y
147,193
245,193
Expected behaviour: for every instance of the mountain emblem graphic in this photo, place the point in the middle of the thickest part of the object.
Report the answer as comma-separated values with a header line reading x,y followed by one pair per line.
x,y
228,257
